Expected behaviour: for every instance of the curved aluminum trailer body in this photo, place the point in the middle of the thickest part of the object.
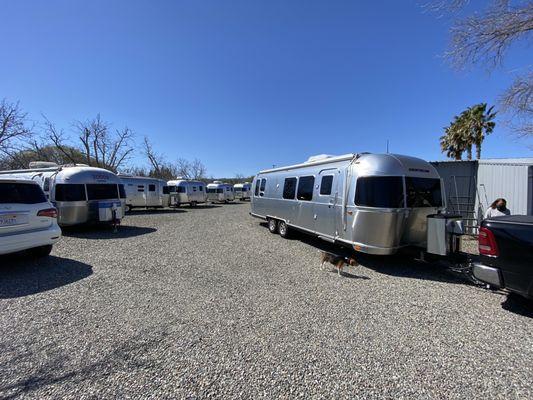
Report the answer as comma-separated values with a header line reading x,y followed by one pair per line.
x,y
375,203
145,192
220,192
243,191
188,191
80,193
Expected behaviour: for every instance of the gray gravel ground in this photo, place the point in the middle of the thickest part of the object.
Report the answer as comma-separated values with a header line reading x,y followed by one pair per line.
x,y
207,303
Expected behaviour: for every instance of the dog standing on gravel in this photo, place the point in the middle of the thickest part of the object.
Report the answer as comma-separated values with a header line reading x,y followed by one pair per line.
x,y
338,261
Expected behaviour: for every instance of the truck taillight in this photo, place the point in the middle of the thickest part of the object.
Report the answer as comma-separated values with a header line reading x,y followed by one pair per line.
x,y
49,212
487,243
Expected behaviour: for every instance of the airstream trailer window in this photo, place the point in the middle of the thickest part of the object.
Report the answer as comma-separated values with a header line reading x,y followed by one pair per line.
x,y
140,188
326,184
70,192
257,183
201,188
102,191
220,190
289,188
423,192
46,184
238,189
151,188
121,191
305,188
180,189
379,191
166,189
21,193
194,188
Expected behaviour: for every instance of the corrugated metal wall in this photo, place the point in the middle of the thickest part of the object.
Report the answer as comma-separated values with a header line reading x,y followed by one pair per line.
x,y
507,180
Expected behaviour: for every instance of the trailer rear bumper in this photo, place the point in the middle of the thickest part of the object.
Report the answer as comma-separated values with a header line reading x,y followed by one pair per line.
x,y
490,275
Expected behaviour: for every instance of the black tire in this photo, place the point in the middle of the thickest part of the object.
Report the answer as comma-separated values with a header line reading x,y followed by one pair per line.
x,y
41,251
272,225
193,204
283,229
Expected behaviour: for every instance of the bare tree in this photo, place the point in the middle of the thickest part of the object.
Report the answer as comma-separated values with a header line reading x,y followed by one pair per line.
x,y
14,131
197,169
160,167
484,38
183,168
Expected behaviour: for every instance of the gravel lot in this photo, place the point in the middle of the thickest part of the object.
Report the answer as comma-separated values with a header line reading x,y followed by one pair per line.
x,y
205,302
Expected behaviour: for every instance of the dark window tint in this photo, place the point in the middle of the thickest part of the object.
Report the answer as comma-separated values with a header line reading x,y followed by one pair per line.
x,y
151,188
121,191
210,190
102,191
257,183
21,193
326,184
289,188
423,192
180,189
194,188
305,187
238,189
220,190
46,184
166,189
263,185
379,191
70,192
140,188
201,188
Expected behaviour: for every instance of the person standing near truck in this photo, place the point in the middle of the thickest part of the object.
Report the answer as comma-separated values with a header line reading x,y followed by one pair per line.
x,y
497,209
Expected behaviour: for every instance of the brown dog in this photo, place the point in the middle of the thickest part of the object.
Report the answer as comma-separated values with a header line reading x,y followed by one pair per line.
x,y
338,261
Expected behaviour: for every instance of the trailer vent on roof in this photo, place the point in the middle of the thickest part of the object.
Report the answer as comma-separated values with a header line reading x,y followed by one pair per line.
x,y
42,164
319,157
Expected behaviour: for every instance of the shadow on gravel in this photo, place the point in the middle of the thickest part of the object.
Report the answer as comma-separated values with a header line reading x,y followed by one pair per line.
x,y
21,275
106,232
200,206
518,305
396,265
156,211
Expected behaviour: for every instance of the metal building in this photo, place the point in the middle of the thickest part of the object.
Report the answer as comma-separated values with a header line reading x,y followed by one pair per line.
x,y
471,186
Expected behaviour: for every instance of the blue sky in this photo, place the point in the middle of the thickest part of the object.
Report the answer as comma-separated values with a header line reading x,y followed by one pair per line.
x,y
246,84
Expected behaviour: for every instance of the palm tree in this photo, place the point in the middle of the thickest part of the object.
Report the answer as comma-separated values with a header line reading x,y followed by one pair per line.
x,y
481,124
467,130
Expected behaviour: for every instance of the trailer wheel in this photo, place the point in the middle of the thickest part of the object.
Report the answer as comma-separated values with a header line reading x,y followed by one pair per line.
x,y
283,229
193,203
272,225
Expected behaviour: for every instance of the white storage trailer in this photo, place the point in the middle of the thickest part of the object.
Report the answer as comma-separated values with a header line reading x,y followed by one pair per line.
x,y
188,191
472,186
81,194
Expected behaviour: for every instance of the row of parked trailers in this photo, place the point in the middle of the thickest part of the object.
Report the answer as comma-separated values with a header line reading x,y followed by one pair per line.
x,y
84,194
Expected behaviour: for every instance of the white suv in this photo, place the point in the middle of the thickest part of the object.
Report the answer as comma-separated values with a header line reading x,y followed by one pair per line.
x,y
28,221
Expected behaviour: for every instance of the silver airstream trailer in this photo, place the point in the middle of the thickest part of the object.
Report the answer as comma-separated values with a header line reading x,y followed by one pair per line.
x,y
82,194
145,192
374,203
243,191
220,192
189,192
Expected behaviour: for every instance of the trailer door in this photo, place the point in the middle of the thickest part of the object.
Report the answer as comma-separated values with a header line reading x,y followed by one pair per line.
x,y
326,202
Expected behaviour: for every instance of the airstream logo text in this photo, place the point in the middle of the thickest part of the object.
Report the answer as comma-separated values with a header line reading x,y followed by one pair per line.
x,y
100,177
419,170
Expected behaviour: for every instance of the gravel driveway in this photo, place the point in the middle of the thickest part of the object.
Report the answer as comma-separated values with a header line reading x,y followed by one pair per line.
x,y
205,302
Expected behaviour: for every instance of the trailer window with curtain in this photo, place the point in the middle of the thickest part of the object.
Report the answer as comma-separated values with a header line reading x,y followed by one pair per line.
x,y
121,191
423,192
379,191
70,192
102,191
289,188
305,188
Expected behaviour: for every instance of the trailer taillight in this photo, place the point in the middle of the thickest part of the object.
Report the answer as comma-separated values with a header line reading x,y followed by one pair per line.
x,y
49,212
487,243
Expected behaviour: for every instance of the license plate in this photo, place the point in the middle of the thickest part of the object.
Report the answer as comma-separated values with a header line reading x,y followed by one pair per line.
x,y
12,220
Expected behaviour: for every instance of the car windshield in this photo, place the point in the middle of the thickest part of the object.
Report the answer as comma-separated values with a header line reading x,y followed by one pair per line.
x,y
21,193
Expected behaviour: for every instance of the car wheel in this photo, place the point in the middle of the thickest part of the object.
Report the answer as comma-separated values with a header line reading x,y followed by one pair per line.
x,y
272,225
283,229
41,251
